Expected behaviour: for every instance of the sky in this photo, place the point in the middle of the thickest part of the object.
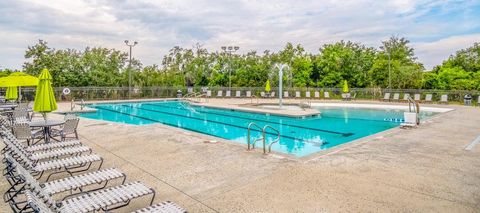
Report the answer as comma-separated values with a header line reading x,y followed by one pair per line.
x,y
435,28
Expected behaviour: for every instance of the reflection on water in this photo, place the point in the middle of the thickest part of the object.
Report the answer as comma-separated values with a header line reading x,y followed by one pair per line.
x,y
299,137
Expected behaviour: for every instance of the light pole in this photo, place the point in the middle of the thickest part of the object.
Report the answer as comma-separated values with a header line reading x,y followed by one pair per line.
x,y
389,72
230,50
130,66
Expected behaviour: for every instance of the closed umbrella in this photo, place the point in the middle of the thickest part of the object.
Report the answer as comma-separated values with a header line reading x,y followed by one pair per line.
x,y
44,98
12,93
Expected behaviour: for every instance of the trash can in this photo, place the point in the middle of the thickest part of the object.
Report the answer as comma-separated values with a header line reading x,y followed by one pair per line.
x,y
467,100
179,93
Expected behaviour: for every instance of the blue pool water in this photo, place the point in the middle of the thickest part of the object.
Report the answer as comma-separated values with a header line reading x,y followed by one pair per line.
x,y
299,137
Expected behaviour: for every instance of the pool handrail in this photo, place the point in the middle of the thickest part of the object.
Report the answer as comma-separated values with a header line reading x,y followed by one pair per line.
x,y
250,125
264,130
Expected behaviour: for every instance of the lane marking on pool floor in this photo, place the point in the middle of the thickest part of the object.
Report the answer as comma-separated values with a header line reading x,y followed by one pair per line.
x,y
472,144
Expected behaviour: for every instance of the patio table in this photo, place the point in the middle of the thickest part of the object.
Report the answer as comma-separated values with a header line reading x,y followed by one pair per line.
x,y
46,125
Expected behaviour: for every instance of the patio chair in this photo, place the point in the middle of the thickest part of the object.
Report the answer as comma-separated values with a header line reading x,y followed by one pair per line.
x,y
262,94
209,93
316,94
22,131
444,99
396,97
69,116
478,102
285,94
55,166
307,94
68,128
248,94
93,180
105,200
297,94
326,95
406,96
238,94
165,207
20,114
416,97
228,94
4,121
219,94
386,97
428,98
272,94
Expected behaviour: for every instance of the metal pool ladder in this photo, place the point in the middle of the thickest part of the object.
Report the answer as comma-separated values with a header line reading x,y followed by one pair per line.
x,y
263,130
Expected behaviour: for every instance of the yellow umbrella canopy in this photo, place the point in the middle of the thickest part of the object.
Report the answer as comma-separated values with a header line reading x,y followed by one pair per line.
x,y
12,93
18,79
44,98
267,86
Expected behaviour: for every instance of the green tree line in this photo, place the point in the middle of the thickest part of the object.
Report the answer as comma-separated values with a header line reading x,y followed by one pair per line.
x,y
393,63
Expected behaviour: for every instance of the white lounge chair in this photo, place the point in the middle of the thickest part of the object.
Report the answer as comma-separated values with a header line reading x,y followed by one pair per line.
x,y
406,96
316,94
209,93
326,95
103,200
307,94
262,94
219,94
164,207
417,97
297,94
69,164
386,97
444,99
272,94
228,94
78,183
238,94
478,102
396,97
285,94
248,94
428,98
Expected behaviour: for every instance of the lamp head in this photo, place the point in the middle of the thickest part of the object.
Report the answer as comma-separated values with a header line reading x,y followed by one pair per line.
x,y
236,48
224,48
135,43
126,42
230,47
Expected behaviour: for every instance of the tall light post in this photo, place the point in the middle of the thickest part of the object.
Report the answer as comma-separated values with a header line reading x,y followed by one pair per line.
x,y
130,66
229,50
389,72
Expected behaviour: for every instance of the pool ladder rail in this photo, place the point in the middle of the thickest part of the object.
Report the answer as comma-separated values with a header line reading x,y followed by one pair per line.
x,y
263,130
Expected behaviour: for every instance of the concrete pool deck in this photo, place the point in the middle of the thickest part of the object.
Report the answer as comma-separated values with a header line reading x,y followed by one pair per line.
x,y
414,170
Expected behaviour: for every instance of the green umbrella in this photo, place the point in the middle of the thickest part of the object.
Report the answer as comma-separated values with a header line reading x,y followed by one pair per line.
x,y
44,97
267,86
18,79
12,93
345,86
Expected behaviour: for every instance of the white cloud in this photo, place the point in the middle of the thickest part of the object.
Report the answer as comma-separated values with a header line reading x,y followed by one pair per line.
x,y
159,25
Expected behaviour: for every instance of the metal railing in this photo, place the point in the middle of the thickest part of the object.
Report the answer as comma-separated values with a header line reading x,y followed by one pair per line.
x,y
263,138
119,93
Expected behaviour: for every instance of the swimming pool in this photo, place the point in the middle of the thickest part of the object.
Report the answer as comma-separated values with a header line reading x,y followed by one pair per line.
x,y
299,137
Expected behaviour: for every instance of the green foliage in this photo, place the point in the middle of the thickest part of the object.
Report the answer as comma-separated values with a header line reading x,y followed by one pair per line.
x,y
460,72
394,64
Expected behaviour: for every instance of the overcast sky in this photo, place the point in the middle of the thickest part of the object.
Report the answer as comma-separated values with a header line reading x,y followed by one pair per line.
x,y
435,28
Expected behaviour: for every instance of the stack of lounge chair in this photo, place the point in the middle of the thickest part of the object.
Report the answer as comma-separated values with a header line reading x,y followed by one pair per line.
x,y
66,176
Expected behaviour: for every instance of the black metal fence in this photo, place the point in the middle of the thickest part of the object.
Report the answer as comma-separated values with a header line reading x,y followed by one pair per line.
x,y
120,93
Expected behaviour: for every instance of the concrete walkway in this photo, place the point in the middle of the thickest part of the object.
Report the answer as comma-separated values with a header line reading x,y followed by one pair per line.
x,y
419,170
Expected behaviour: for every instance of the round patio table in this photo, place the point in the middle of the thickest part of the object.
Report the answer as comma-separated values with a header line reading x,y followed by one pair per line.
x,y
46,125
